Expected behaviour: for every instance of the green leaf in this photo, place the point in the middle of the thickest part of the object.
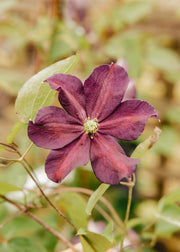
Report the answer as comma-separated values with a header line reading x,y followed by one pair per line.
x,y
133,54
93,242
15,174
134,11
108,232
95,197
143,249
64,42
5,188
86,245
128,47
19,226
22,244
173,197
164,59
35,94
74,205
169,221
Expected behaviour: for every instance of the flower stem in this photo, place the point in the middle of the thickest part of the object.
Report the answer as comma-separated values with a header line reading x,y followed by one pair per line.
x,y
28,169
25,165
102,199
128,204
51,230
130,184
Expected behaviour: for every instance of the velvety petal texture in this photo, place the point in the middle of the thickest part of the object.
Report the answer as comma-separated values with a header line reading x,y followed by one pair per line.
x,y
109,163
53,128
104,90
94,117
127,122
71,94
60,163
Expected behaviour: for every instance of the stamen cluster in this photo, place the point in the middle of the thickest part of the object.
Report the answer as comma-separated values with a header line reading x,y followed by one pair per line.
x,y
90,126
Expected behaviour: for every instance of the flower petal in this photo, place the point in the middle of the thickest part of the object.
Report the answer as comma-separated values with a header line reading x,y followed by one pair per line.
x,y
123,63
53,128
71,94
130,91
104,90
128,120
109,163
61,162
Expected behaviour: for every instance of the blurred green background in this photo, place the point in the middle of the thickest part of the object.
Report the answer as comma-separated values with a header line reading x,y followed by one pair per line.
x,y
35,34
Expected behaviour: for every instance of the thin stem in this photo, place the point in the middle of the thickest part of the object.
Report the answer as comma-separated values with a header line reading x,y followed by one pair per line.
x,y
12,148
51,230
102,199
128,204
28,149
22,161
130,184
44,195
10,218
27,166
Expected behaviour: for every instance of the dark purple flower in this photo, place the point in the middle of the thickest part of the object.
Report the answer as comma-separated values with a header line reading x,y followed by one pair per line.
x,y
95,115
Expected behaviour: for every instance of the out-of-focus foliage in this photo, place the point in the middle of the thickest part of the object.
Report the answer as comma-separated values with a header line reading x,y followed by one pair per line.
x,y
35,34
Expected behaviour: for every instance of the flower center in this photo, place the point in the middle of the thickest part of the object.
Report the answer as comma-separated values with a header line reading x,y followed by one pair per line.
x,y
90,126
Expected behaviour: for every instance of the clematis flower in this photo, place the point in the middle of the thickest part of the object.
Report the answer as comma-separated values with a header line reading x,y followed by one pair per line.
x,y
94,117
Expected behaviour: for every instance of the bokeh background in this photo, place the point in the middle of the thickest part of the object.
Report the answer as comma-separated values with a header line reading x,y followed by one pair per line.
x,y
35,34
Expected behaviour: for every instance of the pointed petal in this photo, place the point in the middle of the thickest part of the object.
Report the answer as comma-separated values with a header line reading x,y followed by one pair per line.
x,y
130,91
128,120
71,94
61,162
104,90
53,128
123,63
109,163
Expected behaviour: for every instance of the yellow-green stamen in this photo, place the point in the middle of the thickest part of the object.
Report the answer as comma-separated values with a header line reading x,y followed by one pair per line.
x,y
90,126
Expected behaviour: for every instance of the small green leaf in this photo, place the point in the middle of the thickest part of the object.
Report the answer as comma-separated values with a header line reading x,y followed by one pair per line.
x,y
108,232
74,206
173,197
22,244
86,245
95,197
14,175
164,59
35,94
134,11
19,226
169,220
5,188
133,54
93,242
